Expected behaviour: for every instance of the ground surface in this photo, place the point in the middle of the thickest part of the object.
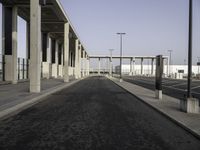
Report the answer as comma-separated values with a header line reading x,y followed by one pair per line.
x,y
94,114
172,87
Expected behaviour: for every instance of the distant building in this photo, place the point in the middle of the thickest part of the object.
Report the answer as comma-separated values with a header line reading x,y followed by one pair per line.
x,y
173,70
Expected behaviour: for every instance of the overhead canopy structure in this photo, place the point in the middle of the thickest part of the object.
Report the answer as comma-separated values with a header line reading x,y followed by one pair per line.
x,y
53,16
53,46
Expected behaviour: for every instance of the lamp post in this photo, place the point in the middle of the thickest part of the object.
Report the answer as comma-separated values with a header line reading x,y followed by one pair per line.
x,y
189,51
198,63
111,65
170,60
121,34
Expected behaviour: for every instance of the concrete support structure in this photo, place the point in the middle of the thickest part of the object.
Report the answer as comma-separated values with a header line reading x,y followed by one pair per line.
x,y
152,66
60,60
88,65
99,66
76,59
35,46
9,42
84,63
190,105
55,62
131,66
79,60
142,59
46,56
110,66
66,52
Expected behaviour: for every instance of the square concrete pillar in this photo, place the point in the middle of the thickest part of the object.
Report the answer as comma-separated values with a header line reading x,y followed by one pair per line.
x,y
131,67
88,66
9,42
84,63
79,61
142,59
76,59
60,61
66,52
35,46
99,66
190,105
46,56
152,66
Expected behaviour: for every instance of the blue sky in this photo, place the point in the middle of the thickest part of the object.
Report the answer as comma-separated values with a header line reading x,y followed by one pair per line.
x,y
152,26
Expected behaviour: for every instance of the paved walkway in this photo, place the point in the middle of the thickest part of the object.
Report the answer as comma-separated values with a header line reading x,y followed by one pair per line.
x,y
169,106
15,97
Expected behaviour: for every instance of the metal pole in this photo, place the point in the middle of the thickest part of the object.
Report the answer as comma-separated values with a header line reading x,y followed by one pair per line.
x,y
198,62
120,56
189,52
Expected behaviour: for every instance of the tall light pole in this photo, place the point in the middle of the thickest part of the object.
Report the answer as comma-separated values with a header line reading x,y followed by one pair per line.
x,y
121,34
189,51
111,65
170,60
198,63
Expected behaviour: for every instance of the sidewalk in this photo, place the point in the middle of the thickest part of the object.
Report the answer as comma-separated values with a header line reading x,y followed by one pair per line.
x,y
14,98
169,106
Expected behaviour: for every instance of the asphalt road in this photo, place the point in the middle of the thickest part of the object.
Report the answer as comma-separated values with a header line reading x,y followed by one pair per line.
x,y
172,87
94,114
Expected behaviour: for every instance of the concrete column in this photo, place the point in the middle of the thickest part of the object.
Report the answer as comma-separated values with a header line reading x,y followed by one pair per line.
x,y
99,67
88,65
46,56
28,40
60,60
131,66
152,66
76,59
142,59
35,46
110,66
55,58
168,73
9,42
66,52
84,63
79,61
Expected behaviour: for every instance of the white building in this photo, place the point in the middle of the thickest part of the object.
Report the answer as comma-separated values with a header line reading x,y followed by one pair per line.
x,y
147,70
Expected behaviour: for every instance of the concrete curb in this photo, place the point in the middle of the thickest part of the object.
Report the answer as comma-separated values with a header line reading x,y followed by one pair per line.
x,y
159,111
22,106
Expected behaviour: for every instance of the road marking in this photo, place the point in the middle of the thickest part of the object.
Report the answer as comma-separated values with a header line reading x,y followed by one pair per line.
x,y
179,84
196,87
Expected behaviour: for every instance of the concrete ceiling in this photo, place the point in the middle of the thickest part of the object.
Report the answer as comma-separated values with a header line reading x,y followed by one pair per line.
x,y
53,17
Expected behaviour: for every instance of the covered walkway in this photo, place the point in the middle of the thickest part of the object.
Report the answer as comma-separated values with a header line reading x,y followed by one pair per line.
x,y
54,49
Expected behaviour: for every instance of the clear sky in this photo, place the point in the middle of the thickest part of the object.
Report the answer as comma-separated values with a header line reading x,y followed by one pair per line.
x,y
152,26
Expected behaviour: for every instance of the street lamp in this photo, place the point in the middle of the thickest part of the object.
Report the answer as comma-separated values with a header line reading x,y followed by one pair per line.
x,y
190,51
170,60
121,34
111,65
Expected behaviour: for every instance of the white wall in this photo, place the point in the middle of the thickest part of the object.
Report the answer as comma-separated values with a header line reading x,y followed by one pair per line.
x,y
147,69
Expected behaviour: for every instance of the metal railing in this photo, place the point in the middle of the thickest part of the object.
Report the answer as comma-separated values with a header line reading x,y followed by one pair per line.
x,y
23,68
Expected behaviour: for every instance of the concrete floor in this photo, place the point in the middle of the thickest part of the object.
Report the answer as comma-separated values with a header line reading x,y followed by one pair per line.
x,y
94,114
